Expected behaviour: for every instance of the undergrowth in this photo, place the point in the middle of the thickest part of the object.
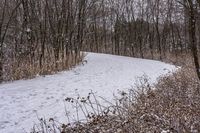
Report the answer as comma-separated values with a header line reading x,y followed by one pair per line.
x,y
170,106
27,69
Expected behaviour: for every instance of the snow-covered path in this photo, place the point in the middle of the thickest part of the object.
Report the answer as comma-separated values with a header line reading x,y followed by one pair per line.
x,y
22,101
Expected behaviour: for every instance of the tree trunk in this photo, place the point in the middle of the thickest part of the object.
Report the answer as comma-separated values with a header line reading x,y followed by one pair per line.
x,y
192,37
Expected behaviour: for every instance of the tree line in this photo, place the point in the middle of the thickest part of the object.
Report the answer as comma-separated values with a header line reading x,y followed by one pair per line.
x,y
49,35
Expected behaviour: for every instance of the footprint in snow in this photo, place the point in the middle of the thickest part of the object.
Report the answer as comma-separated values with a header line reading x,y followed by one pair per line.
x,y
76,73
51,97
32,95
41,106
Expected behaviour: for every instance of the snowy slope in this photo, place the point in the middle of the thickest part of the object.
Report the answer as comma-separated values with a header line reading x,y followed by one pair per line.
x,y
21,102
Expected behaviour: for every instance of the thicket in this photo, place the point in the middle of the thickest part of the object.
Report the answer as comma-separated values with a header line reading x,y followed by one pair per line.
x,y
38,36
170,106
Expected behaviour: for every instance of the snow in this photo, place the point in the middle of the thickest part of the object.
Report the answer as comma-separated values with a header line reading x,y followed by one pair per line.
x,y
23,102
28,30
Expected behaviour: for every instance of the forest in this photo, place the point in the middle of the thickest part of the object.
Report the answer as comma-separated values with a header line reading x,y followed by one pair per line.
x,y
100,66
44,36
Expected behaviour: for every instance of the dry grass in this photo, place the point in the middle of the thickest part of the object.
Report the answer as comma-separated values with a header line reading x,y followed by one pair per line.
x,y
26,68
171,106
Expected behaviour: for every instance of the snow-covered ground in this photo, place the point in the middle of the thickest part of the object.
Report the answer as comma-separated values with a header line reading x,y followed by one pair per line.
x,y
22,102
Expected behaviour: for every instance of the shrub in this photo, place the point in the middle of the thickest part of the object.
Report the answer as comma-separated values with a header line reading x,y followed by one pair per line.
x,y
170,106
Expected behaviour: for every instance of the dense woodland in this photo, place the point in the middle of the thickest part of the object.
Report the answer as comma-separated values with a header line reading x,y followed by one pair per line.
x,y
41,36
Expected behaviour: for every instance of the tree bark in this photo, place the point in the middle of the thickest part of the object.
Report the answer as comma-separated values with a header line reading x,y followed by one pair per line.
x,y
192,36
